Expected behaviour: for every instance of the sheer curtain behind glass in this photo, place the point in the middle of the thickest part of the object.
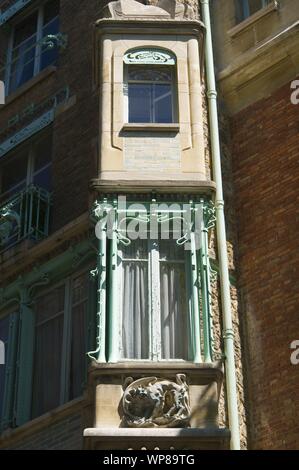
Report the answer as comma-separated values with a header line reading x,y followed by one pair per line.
x,y
135,308
49,311
173,298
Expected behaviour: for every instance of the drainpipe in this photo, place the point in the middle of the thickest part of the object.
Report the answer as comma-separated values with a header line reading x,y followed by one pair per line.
x,y
228,333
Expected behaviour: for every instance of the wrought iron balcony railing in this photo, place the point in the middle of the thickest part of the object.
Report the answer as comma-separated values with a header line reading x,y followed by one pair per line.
x,y
25,216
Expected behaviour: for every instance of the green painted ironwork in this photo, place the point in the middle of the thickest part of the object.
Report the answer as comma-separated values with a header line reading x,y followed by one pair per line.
x,y
25,216
199,276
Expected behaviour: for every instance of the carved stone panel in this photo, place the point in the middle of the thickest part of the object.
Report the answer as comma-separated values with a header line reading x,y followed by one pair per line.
x,y
155,402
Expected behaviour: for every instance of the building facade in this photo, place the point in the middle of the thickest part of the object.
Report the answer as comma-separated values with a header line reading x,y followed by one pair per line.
x,y
128,319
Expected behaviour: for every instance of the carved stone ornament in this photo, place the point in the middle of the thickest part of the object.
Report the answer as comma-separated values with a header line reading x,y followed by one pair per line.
x,y
155,402
160,9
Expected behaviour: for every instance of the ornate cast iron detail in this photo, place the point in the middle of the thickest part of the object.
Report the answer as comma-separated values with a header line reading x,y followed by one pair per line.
x,y
156,402
209,213
9,223
55,40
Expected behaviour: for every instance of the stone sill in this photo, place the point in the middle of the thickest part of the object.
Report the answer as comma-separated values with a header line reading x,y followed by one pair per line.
x,y
30,84
208,371
239,28
161,433
146,186
150,127
186,365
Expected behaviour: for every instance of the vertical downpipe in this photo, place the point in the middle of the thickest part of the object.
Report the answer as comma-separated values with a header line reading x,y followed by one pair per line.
x,y
230,370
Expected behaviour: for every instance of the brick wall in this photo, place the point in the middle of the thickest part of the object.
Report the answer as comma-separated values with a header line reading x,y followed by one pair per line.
x,y
265,170
66,434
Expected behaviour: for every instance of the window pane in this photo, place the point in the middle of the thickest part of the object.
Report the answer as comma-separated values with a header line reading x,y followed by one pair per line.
x,y
79,335
162,103
51,10
4,328
50,55
135,308
42,178
14,175
149,74
49,311
23,61
42,163
174,308
150,94
43,152
25,30
140,102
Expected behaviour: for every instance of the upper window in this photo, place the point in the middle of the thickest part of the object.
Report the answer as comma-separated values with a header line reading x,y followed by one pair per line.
x,y
30,51
150,92
246,8
150,80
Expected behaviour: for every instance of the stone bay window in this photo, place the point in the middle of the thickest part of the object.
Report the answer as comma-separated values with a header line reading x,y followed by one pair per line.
x,y
154,366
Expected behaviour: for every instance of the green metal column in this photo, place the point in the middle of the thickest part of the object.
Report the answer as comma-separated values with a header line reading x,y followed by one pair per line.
x,y
113,295
205,286
101,296
195,297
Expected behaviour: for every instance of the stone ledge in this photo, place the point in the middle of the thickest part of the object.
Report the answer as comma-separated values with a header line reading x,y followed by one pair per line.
x,y
157,438
41,76
145,186
151,127
160,433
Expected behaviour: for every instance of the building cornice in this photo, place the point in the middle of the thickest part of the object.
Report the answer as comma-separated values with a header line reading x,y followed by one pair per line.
x,y
157,26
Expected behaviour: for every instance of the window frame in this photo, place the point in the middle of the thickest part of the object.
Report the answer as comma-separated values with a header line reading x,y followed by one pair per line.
x,y
30,148
66,335
38,52
150,57
243,9
173,91
202,211
154,301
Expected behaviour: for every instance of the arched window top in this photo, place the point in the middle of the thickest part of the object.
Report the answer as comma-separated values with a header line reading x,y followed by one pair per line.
x,y
150,56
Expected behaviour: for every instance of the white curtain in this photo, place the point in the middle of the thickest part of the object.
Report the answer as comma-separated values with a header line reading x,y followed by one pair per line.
x,y
135,327
136,332
174,317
